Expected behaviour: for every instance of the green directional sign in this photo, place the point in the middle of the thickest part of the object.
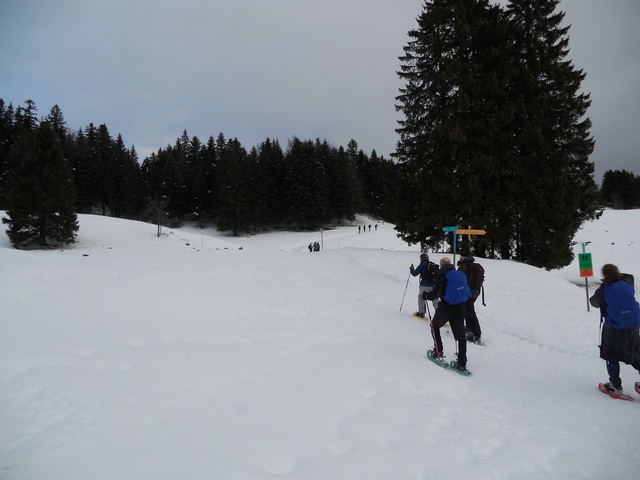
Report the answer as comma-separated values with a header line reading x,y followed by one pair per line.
x,y
450,229
586,265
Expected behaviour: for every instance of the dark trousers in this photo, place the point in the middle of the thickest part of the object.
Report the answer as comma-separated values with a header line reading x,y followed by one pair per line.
x,y
455,316
613,369
471,319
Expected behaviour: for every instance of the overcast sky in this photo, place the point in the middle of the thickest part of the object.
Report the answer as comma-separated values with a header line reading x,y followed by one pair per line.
x,y
253,69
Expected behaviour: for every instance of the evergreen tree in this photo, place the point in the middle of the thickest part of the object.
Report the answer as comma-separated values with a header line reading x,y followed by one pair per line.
x,y
41,195
554,145
494,134
457,114
270,183
7,139
84,165
620,189
234,193
303,195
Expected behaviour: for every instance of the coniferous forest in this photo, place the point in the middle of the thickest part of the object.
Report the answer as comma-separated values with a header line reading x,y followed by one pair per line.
x,y
494,135
305,185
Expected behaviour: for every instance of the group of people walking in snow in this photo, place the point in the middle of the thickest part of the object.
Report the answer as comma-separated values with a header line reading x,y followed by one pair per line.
x,y
619,313
458,311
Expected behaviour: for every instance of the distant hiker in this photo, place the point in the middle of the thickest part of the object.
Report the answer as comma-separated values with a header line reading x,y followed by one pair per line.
x,y
369,227
375,226
310,247
620,312
316,247
359,228
452,290
427,271
475,276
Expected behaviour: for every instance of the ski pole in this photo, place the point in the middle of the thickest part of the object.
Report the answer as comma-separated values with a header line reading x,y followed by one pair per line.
x,y
405,290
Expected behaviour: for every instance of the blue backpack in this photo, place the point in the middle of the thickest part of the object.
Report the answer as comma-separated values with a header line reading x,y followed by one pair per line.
x,y
456,291
622,309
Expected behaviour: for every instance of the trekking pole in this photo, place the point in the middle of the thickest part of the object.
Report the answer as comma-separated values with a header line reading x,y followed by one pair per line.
x,y
600,329
405,291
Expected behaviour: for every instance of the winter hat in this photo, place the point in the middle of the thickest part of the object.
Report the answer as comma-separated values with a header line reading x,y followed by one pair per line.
x,y
465,253
424,256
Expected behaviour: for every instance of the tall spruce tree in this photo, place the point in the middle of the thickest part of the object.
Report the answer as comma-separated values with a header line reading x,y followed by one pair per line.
x,y
494,133
41,194
457,70
554,144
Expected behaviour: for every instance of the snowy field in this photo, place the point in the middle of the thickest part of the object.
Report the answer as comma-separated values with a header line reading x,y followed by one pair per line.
x,y
200,356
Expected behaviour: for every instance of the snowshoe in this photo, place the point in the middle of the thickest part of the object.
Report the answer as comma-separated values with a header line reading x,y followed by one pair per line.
x,y
458,368
615,392
438,360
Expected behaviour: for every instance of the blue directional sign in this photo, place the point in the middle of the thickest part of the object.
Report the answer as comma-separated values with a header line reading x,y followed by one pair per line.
x,y
450,229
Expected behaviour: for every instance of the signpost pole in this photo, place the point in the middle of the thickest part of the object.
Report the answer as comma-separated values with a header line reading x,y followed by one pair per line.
x,y
453,230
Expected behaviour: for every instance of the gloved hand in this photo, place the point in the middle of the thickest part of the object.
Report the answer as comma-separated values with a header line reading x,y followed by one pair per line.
x,y
411,268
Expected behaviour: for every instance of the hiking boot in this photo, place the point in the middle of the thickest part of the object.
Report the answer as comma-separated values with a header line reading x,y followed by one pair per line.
x,y
609,387
421,315
436,355
459,367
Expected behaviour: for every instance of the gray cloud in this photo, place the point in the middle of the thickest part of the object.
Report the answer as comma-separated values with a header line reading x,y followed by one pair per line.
x,y
254,69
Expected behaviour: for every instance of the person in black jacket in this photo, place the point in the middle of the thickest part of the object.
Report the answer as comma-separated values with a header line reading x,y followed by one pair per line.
x,y
454,314
620,311
471,321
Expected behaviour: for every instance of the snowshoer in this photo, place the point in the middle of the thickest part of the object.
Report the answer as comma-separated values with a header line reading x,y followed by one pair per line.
x,y
427,271
620,313
448,312
472,324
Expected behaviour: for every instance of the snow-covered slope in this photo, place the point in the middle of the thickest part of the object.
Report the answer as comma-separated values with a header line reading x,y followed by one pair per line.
x,y
198,356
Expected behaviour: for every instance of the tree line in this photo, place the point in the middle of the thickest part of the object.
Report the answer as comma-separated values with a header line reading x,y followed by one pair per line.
x,y
306,185
494,135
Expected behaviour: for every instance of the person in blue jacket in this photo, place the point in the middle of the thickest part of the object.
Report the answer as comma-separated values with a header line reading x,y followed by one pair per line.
x,y
620,312
427,271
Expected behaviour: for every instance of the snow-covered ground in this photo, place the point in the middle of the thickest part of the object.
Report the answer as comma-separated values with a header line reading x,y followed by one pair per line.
x,y
201,356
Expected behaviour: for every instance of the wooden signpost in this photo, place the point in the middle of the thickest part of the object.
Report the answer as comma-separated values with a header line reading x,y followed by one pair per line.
x,y
463,231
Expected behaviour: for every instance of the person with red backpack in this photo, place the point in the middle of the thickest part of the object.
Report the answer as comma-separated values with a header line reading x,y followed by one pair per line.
x,y
475,279
620,341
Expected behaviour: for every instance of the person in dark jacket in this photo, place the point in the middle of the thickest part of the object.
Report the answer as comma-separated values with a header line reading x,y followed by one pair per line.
x,y
454,314
620,311
472,324
427,272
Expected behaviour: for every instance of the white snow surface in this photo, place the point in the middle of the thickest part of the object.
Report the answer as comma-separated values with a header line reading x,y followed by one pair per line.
x,y
197,355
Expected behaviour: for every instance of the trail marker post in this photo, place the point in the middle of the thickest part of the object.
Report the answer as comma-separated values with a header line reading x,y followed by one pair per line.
x,y
586,270
469,232
453,230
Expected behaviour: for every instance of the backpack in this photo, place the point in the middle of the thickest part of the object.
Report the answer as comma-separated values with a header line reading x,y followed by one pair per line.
x,y
475,276
622,309
456,290
430,272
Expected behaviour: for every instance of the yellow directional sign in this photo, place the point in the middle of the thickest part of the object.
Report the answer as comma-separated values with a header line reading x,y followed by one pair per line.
x,y
470,232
